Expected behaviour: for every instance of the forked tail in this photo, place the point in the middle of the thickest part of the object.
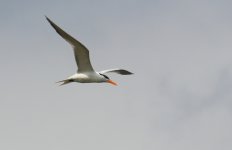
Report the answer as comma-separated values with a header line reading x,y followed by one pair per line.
x,y
63,82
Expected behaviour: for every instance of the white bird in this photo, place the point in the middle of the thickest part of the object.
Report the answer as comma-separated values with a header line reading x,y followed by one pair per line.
x,y
85,72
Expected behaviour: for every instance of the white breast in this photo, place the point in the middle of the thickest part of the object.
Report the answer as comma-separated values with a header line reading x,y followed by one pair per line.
x,y
87,77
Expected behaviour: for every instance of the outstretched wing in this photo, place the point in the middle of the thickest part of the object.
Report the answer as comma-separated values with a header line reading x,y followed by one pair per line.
x,y
118,71
80,51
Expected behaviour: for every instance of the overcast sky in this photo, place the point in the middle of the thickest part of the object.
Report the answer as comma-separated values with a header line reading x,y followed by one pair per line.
x,y
180,97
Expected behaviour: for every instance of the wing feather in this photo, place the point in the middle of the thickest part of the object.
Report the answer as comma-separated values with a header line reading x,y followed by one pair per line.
x,y
118,71
81,53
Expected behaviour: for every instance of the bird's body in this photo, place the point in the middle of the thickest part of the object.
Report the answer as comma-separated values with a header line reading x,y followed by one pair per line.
x,y
85,72
87,77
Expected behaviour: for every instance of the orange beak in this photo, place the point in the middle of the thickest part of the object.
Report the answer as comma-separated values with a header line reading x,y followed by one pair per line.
x,y
111,82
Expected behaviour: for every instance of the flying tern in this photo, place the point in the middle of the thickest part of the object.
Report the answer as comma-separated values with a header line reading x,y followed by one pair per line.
x,y
85,72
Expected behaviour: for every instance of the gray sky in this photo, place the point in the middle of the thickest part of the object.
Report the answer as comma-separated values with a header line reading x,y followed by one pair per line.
x,y
179,97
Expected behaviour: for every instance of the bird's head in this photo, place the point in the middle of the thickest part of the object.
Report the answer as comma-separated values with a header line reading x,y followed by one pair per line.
x,y
108,80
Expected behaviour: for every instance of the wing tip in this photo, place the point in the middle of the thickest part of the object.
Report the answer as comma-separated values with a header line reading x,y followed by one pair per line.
x,y
48,20
57,29
125,72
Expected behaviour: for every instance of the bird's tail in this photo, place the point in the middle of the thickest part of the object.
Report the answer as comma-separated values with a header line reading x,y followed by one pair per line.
x,y
63,82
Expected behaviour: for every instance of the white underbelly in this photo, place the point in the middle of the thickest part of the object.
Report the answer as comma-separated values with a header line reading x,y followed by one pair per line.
x,y
85,78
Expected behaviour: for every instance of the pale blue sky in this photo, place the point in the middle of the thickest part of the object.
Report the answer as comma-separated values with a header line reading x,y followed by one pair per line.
x,y
179,97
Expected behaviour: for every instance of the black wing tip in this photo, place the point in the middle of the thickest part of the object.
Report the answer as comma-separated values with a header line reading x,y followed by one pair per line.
x,y
53,25
48,20
125,72
130,72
